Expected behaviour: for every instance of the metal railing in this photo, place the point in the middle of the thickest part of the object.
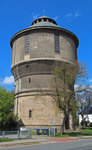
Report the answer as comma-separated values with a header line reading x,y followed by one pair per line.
x,y
16,134
25,134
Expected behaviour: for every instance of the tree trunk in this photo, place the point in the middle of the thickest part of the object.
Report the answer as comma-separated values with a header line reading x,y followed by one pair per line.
x,y
83,121
74,121
67,122
63,125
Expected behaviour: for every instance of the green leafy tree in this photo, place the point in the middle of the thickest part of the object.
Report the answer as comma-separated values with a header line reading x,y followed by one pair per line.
x,y
7,120
65,75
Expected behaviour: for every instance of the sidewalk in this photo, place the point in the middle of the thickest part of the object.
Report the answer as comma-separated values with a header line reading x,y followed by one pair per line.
x,y
40,140
24,142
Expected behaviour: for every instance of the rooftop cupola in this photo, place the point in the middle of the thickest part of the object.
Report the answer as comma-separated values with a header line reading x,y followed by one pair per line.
x,y
44,19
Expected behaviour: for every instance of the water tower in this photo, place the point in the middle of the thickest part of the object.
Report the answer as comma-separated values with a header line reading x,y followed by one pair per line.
x,y
34,53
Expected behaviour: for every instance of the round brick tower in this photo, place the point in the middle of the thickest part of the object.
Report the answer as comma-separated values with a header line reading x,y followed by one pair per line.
x,y
34,53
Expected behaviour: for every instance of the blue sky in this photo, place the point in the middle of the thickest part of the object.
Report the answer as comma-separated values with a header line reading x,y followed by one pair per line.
x,y
15,15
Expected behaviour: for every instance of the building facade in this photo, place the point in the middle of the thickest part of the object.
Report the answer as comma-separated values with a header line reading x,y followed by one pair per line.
x,y
87,116
35,50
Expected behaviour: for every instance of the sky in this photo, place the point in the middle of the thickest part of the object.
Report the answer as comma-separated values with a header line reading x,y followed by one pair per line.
x,y
73,15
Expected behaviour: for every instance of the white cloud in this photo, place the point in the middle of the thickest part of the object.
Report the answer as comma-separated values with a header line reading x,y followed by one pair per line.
x,y
77,14
82,87
79,86
55,18
76,86
8,80
35,17
91,86
90,80
73,14
69,15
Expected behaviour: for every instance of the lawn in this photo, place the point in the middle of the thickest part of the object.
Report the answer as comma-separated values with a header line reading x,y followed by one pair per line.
x,y
86,130
5,140
82,132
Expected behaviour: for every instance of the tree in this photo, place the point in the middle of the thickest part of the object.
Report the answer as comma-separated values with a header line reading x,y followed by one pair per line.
x,y
65,75
84,101
6,109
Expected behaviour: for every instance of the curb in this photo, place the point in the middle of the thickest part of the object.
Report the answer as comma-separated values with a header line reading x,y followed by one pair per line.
x,y
28,142
24,143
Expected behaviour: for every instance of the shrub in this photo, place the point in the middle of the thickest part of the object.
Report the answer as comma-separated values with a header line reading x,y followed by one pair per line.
x,y
90,124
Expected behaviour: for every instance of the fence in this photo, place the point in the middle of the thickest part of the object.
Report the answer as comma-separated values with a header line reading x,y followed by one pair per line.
x,y
16,134
22,134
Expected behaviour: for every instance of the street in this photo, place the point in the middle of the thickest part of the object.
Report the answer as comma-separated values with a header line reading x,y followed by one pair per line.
x,y
76,145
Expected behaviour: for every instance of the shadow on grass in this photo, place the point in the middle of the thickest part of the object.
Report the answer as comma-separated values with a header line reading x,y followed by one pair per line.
x,y
73,134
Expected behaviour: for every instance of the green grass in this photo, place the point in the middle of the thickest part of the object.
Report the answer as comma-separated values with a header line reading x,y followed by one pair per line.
x,y
5,140
86,130
61,135
82,132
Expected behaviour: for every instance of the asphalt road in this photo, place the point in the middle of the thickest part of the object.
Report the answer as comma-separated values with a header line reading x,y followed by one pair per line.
x,y
78,145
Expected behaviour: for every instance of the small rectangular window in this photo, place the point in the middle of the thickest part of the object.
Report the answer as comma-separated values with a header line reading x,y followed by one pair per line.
x,y
13,52
27,44
56,42
30,113
29,80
